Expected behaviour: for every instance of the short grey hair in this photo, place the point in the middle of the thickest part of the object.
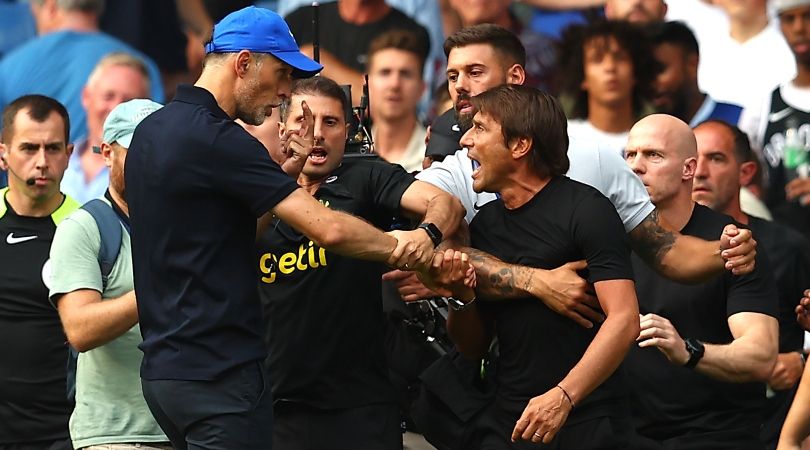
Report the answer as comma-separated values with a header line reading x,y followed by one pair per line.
x,y
120,59
96,6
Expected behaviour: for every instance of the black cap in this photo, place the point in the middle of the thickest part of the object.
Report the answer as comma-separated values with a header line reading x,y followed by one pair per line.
x,y
445,133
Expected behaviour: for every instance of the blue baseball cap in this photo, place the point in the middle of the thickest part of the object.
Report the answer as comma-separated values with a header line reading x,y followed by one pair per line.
x,y
263,31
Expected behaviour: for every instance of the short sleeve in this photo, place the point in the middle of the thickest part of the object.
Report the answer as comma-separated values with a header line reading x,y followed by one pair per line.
x,y
755,292
245,171
625,190
606,171
454,176
74,255
388,182
599,233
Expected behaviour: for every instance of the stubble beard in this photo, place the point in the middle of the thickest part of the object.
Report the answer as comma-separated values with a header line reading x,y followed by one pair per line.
x,y
247,112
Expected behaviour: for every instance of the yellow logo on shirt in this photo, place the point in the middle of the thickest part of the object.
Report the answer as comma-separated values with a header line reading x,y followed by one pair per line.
x,y
309,256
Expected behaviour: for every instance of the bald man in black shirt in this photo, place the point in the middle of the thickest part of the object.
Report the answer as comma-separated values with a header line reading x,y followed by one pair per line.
x,y
704,350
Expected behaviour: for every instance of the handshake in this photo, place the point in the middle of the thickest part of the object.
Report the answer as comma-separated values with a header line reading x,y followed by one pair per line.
x,y
446,272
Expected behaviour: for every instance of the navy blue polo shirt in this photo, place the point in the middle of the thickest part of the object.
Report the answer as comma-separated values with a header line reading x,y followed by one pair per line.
x,y
195,184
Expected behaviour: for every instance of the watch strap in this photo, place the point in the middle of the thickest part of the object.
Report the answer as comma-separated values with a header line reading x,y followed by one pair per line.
x,y
696,350
433,232
458,305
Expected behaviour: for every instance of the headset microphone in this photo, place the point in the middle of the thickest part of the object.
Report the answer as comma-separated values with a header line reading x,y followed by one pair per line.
x,y
28,181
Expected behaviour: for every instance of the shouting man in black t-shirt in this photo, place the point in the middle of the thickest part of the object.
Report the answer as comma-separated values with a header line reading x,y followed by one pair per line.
x,y
556,380
704,350
324,311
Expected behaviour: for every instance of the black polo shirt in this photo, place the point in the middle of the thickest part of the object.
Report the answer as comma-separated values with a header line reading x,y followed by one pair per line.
x,y
195,184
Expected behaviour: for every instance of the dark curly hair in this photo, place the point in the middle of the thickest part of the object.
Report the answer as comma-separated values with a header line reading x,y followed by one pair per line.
x,y
629,37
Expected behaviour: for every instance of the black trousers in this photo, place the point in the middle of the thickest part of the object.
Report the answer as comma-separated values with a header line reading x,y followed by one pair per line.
x,y
370,427
232,412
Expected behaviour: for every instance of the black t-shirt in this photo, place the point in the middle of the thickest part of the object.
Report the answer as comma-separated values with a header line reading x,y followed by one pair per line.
x,y
33,394
670,401
324,310
346,41
566,221
196,182
789,253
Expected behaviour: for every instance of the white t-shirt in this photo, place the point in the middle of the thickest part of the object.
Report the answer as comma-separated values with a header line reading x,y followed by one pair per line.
x,y
741,73
754,119
611,141
702,18
411,159
591,164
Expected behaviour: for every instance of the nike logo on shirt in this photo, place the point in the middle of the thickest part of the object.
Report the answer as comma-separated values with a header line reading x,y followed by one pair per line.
x,y
779,115
11,239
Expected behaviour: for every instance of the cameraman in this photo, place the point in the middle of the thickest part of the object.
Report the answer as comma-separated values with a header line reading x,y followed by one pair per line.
x,y
324,312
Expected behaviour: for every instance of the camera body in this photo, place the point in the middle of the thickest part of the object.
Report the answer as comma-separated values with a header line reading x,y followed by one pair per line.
x,y
359,143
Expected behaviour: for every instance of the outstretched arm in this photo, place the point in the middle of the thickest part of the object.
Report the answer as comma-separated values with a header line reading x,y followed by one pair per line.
x,y
688,259
345,234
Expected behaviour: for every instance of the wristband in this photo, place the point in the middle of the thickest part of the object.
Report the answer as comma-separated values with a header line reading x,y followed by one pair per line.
x,y
566,395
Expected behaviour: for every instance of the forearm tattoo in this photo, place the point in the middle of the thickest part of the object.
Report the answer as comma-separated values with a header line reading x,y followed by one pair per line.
x,y
651,240
496,278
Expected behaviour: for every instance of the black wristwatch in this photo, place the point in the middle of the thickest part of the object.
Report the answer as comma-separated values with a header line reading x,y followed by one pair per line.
x,y
458,305
695,349
433,232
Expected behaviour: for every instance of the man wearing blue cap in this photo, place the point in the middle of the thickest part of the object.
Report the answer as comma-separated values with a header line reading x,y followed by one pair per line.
x,y
196,182
98,309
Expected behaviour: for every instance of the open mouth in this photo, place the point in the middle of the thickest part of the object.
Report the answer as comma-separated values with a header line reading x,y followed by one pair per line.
x,y
317,156
476,168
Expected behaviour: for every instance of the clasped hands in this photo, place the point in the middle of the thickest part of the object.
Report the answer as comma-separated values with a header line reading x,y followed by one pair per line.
x,y
444,272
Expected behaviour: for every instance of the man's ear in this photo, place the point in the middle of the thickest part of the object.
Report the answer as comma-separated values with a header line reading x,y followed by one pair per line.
x,y
69,150
282,128
748,171
3,152
241,63
689,168
106,153
520,147
515,74
85,97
